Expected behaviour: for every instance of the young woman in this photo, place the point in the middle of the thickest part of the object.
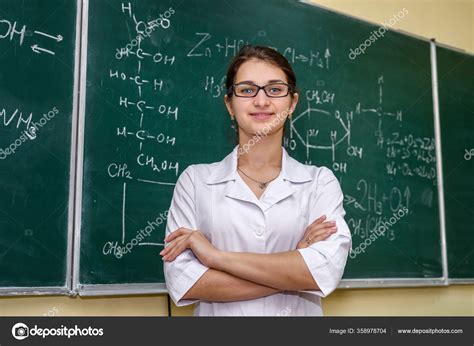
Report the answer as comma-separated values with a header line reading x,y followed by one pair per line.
x,y
257,233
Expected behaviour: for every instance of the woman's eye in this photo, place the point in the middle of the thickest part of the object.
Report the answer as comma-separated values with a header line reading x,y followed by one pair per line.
x,y
276,90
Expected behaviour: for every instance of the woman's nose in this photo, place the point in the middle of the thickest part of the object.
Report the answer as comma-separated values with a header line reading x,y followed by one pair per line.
x,y
261,99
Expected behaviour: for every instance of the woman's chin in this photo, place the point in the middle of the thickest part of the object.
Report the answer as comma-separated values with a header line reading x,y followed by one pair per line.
x,y
261,130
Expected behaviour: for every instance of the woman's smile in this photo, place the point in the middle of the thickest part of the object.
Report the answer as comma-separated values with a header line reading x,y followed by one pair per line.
x,y
260,115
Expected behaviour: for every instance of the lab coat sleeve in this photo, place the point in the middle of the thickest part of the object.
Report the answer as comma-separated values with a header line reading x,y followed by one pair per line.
x,y
186,269
326,259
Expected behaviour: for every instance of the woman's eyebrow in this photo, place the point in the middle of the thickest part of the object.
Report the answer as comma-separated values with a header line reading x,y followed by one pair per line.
x,y
246,82
270,81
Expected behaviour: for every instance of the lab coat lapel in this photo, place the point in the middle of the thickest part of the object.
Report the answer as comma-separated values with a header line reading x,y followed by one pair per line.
x,y
277,190
237,189
292,172
225,172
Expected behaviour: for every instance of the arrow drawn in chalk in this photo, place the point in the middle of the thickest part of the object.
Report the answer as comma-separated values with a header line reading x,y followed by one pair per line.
x,y
35,48
58,38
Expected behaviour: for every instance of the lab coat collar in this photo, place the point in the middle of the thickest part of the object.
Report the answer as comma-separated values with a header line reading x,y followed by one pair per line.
x,y
291,169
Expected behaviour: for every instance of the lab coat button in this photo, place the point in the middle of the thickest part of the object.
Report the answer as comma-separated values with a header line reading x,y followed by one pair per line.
x,y
259,231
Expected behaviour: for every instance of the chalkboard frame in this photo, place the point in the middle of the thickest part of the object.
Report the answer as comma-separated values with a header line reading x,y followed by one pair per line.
x,y
415,282
77,287
157,288
452,281
443,280
67,288
72,285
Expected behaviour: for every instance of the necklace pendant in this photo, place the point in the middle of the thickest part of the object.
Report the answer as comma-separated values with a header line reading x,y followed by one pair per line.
x,y
262,185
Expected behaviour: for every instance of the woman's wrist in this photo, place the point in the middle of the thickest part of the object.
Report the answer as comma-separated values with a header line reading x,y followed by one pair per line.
x,y
218,259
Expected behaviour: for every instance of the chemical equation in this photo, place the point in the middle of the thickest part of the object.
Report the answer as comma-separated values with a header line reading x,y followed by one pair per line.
x,y
39,42
404,150
206,46
373,207
370,199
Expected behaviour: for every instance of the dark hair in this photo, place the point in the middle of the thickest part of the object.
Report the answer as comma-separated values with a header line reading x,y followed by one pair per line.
x,y
266,54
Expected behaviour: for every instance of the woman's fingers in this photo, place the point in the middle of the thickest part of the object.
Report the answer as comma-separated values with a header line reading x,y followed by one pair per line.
x,y
169,247
177,242
322,226
319,226
314,238
317,231
318,220
321,234
175,234
174,240
175,249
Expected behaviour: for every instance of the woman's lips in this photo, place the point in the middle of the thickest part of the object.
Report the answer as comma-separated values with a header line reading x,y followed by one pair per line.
x,y
261,115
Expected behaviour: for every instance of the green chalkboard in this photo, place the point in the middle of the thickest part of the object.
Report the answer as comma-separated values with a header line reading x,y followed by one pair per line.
x,y
37,69
456,107
156,106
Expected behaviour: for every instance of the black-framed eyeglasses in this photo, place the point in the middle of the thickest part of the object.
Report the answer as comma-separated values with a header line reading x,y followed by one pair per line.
x,y
249,90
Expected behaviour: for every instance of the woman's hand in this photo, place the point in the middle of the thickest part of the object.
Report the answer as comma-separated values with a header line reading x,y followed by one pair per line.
x,y
317,231
183,239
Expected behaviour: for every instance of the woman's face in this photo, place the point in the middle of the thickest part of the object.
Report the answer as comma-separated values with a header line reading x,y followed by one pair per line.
x,y
260,114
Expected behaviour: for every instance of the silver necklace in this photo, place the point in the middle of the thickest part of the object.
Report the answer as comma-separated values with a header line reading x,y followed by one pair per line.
x,y
261,184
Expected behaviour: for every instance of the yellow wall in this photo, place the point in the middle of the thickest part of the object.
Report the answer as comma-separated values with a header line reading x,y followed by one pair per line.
x,y
65,306
450,22
441,301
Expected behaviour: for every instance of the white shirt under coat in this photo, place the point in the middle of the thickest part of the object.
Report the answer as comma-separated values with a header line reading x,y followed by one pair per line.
x,y
214,199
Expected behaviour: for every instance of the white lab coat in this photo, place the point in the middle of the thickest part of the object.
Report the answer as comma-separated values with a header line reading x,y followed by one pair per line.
x,y
214,199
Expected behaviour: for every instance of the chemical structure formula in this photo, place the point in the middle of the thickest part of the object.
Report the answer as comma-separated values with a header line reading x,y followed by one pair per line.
x,y
141,101
333,132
